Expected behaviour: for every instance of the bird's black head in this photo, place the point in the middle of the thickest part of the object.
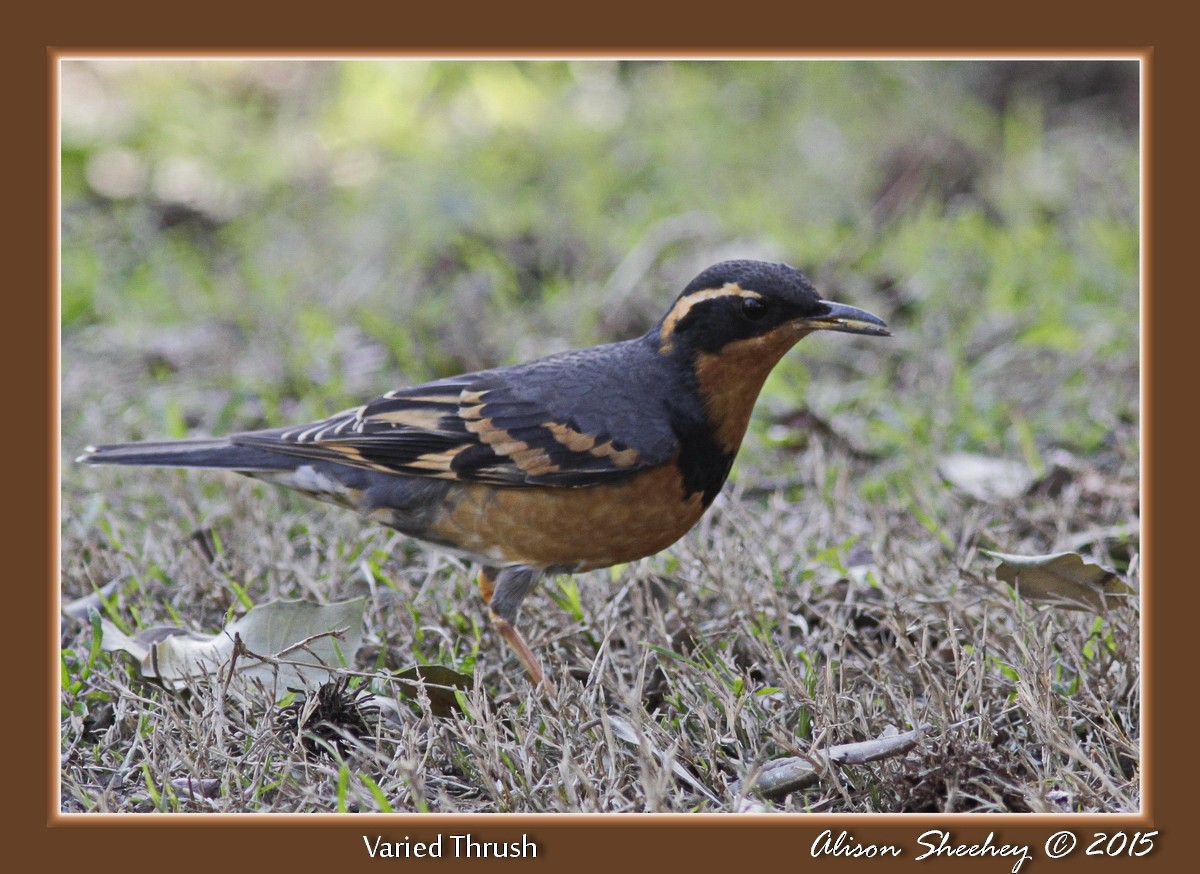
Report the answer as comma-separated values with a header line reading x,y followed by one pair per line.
x,y
741,300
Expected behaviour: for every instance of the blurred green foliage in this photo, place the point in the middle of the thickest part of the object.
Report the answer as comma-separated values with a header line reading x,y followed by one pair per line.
x,y
356,224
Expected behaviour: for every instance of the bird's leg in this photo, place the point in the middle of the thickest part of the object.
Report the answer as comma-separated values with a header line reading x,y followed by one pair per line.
x,y
504,591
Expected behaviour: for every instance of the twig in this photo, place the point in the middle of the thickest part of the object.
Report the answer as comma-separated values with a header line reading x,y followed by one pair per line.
x,y
783,776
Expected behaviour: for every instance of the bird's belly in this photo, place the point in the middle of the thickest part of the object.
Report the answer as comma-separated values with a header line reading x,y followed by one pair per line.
x,y
581,528
309,480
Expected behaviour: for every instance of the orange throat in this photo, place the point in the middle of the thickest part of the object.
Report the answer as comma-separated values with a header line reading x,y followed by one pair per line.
x,y
731,379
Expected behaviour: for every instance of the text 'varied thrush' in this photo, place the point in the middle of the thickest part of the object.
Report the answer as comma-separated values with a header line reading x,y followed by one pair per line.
x,y
569,463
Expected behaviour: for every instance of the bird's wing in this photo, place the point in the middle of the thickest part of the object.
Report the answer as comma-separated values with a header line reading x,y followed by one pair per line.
x,y
485,427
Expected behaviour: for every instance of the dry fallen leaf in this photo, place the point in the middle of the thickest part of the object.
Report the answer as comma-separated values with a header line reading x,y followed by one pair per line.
x,y
79,609
297,639
1063,578
439,683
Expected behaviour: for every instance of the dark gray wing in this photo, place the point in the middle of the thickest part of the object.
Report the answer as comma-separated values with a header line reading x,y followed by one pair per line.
x,y
575,419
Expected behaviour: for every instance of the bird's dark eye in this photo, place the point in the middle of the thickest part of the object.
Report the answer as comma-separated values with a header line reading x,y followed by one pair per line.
x,y
753,308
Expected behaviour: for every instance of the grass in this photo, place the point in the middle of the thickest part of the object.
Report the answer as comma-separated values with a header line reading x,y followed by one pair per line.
x,y
250,244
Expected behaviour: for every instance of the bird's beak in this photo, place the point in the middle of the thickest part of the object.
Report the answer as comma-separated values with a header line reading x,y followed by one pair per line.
x,y
849,319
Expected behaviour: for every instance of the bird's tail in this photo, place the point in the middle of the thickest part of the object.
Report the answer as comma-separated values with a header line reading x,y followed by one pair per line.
x,y
219,454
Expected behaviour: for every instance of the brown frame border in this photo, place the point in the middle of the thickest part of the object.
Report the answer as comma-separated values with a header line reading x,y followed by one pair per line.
x,y
706,839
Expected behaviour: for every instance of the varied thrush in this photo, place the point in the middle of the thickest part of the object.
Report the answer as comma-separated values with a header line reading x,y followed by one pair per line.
x,y
572,462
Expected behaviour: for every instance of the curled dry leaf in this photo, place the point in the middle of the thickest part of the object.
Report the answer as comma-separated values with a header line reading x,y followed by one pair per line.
x,y
1063,578
285,644
79,609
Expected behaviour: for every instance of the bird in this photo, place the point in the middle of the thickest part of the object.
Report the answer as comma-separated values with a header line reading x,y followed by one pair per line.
x,y
581,460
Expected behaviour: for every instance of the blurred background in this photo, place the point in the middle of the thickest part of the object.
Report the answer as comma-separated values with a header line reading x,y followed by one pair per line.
x,y
252,243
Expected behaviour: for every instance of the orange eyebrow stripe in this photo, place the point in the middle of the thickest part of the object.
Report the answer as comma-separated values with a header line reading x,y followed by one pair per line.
x,y
684,305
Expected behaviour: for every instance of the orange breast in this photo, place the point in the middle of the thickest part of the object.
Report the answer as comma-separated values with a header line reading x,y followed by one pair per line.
x,y
587,528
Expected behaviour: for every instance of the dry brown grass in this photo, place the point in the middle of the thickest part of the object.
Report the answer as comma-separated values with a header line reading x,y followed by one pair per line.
x,y
776,627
